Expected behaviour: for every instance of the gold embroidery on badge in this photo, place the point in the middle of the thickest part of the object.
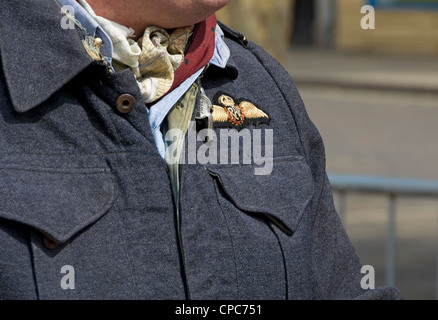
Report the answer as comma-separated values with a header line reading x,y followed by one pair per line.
x,y
229,112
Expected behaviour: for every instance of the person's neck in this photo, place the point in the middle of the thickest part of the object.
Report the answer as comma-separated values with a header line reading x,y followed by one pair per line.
x,y
117,11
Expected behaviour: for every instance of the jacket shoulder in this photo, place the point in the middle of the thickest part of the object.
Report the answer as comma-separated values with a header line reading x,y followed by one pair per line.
x,y
232,34
243,46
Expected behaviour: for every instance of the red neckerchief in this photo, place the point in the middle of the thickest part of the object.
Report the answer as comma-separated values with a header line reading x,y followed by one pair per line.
x,y
198,54
200,51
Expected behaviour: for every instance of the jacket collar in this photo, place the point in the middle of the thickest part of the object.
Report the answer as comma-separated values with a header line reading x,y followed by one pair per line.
x,y
38,56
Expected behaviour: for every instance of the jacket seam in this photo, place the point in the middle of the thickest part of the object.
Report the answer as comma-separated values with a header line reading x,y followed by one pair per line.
x,y
216,187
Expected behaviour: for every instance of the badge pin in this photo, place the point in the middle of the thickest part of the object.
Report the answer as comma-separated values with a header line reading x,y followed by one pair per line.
x,y
236,113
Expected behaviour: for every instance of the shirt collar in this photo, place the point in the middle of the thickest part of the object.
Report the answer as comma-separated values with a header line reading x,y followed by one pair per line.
x,y
159,111
221,54
92,27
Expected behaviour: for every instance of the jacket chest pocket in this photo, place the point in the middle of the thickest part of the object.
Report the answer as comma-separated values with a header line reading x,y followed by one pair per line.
x,y
278,198
256,208
56,202
53,218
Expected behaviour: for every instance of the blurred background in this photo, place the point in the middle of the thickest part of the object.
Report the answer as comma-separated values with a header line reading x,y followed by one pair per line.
x,y
373,94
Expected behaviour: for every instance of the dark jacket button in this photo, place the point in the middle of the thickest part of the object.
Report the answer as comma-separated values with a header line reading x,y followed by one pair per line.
x,y
49,243
125,103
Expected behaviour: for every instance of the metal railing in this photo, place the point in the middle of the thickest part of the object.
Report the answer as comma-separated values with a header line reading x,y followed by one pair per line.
x,y
393,188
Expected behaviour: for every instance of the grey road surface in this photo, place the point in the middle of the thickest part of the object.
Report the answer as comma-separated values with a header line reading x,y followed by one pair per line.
x,y
384,133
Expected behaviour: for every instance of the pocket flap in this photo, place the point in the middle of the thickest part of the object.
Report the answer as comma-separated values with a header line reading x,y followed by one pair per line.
x,y
57,202
280,196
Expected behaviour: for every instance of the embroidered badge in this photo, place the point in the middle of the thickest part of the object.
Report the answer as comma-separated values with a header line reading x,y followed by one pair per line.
x,y
236,113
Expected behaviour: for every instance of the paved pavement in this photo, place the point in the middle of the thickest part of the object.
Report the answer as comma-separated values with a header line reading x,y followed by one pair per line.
x,y
378,115
371,71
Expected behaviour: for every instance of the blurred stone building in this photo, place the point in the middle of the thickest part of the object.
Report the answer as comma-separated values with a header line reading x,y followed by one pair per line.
x,y
277,25
265,22
401,26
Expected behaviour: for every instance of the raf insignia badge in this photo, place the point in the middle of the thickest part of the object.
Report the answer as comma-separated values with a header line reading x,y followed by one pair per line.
x,y
236,113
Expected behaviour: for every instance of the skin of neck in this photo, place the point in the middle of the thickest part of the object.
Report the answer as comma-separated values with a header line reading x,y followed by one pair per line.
x,y
167,14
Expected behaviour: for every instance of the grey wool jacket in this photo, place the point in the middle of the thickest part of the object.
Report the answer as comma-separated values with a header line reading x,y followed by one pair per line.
x,y
84,192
